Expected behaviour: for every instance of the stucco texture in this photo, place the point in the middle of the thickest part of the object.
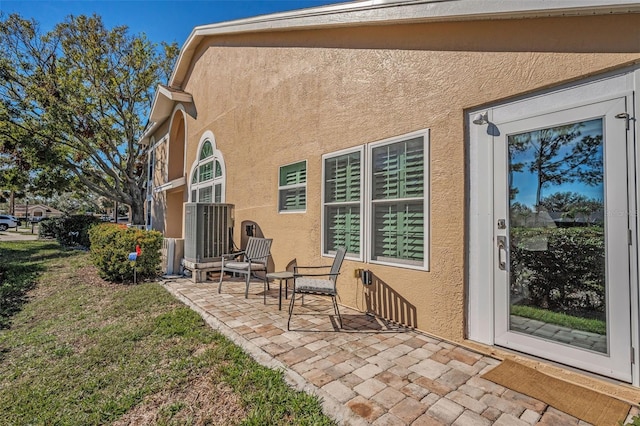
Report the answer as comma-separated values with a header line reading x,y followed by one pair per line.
x,y
272,99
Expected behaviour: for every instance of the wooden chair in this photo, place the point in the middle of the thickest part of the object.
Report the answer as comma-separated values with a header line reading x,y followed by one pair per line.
x,y
318,284
252,259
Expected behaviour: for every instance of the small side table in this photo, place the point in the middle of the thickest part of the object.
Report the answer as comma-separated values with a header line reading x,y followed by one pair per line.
x,y
281,276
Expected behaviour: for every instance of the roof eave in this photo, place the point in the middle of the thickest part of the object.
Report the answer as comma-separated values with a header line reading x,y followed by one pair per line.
x,y
385,12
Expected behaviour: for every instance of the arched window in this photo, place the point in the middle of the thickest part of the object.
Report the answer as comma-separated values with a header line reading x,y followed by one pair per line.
x,y
207,174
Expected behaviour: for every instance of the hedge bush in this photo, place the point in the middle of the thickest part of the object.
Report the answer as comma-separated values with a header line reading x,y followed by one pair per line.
x,y
111,245
560,269
69,231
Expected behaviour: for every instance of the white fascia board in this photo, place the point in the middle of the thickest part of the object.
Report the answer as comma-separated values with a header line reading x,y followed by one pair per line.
x,y
387,12
161,108
156,99
146,135
175,95
176,183
384,12
153,124
164,100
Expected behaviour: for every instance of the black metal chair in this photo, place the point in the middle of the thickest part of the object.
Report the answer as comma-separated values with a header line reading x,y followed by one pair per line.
x,y
318,284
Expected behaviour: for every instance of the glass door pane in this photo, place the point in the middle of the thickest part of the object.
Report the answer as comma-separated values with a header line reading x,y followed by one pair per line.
x,y
561,237
557,235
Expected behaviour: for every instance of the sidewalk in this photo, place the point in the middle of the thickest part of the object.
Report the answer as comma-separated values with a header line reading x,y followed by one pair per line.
x,y
22,234
369,372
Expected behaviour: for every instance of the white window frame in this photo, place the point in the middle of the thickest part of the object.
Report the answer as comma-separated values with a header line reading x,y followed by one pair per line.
x,y
367,204
151,170
282,188
151,167
424,134
215,181
325,205
149,215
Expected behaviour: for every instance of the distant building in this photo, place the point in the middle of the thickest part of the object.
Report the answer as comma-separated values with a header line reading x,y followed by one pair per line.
x,y
36,211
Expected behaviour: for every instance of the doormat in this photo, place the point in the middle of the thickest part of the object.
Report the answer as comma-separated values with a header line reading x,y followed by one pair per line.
x,y
588,405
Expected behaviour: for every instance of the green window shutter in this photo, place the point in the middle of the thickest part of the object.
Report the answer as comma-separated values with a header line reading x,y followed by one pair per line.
x,y
208,178
206,151
293,199
293,174
293,187
342,178
342,228
399,233
342,196
398,202
217,196
206,172
398,170
205,195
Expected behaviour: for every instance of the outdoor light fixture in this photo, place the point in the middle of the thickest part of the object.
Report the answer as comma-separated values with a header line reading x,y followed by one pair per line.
x,y
480,118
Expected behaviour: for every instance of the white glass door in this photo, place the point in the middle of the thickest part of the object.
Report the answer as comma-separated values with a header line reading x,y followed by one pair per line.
x,y
561,237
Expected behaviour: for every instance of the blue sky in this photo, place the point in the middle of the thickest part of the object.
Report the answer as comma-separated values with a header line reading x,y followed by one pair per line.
x,y
160,20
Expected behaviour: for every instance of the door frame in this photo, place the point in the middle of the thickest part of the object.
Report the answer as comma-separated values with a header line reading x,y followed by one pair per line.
x,y
617,362
481,306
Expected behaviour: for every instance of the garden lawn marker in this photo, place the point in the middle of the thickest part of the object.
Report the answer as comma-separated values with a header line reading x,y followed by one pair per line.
x,y
133,257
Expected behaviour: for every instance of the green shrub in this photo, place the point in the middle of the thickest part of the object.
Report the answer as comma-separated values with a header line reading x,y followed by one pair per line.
x,y
111,245
69,231
560,269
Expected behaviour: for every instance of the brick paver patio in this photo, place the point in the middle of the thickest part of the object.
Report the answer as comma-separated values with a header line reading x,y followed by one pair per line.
x,y
371,371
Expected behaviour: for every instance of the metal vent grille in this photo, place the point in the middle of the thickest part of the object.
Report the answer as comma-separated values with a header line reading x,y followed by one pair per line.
x,y
171,254
208,231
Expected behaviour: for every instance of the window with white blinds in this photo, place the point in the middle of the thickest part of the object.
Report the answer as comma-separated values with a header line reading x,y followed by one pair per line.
x,y
292,187
375,201
342,200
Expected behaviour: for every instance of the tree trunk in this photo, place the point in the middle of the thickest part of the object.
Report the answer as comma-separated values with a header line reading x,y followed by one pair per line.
x,y
137,213
12,203
136,206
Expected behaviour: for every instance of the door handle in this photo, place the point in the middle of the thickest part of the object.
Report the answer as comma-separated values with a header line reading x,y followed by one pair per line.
x,y
502,252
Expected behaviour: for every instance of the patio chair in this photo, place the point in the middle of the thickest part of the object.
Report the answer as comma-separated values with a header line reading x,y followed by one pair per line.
x,y
318,284
252,259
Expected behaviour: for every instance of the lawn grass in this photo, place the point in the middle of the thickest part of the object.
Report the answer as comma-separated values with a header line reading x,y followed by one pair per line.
x,y
19,266
83,351
576,323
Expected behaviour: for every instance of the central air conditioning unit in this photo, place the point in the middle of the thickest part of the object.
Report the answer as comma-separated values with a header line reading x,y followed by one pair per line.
x,y
172,253
208,232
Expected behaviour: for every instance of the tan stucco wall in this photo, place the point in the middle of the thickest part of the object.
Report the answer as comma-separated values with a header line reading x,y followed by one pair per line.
x,y
176,148
169,164
174,226
159,177
273,99
158,213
